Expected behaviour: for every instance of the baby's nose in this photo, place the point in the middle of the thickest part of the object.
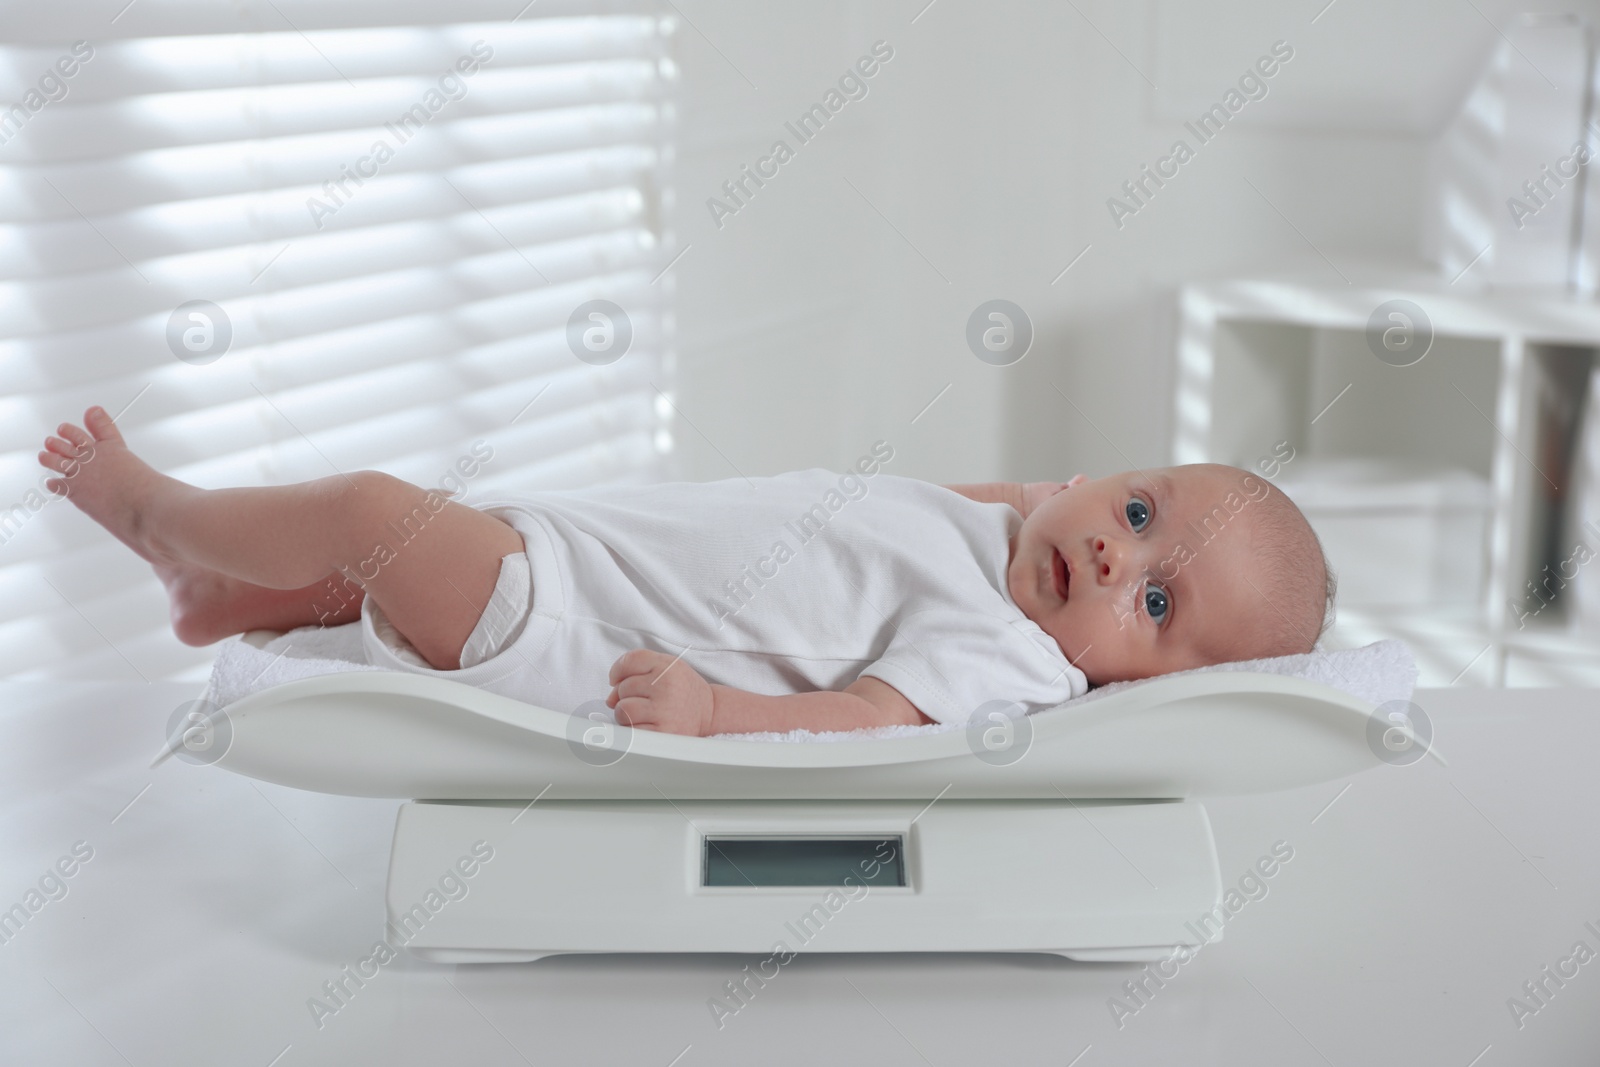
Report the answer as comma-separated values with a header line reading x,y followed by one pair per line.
x,y
1110,557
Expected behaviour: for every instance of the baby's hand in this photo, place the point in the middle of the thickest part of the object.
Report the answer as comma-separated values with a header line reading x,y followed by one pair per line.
x,y
1036,493
655,691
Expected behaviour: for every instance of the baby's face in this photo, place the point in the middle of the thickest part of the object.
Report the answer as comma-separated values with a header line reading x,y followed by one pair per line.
x,y
1140,574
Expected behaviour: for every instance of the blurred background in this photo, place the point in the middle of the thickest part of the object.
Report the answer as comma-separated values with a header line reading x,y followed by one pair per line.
x,y
282,239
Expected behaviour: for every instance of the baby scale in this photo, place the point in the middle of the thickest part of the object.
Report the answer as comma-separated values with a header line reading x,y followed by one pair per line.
x,y
529,832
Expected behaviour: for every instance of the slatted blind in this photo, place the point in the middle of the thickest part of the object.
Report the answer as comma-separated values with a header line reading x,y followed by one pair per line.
x,y
399,308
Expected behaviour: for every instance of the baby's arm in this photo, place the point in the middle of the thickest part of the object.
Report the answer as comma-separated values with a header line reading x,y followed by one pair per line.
x,y
1024,496
654,691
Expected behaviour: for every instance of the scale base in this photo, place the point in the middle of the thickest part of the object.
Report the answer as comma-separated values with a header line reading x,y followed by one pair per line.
x,y
506,881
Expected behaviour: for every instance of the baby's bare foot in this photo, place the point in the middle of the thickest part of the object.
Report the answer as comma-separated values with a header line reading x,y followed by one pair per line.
x,y
207,606
200,601
106,481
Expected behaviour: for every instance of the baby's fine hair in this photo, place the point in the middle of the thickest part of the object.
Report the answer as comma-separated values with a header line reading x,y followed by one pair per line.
x,y
1293,566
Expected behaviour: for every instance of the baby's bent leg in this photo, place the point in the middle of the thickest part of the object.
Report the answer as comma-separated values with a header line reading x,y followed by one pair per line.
x,y
430,563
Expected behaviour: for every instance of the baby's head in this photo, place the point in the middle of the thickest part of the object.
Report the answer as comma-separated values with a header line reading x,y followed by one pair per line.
x,y
1149,572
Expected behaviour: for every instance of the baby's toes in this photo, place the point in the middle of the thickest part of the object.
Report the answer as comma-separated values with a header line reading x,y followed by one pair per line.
x,y
56,462
76,435
100,424
61,447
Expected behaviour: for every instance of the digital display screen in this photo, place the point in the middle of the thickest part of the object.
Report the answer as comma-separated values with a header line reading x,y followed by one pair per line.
x,y
763,862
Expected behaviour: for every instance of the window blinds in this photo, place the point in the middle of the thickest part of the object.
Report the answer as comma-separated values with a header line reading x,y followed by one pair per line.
x,y
285,240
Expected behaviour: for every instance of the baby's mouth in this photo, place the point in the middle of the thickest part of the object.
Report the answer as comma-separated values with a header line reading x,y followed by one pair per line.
x,y
1058,568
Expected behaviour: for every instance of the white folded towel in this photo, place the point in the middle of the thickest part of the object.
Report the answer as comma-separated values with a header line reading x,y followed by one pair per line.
x,y
262,658
1377,673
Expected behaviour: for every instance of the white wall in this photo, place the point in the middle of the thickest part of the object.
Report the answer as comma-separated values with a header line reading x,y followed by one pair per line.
x,y
810,326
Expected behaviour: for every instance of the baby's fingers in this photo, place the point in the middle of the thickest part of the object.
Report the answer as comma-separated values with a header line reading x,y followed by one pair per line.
x,y
638,713
636,685
639,661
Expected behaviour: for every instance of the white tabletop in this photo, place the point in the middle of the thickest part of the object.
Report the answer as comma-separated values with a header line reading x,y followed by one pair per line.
x,y
1418,901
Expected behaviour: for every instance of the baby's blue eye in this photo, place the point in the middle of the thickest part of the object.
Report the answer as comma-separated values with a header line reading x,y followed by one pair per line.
x,y
1156,603
1138,513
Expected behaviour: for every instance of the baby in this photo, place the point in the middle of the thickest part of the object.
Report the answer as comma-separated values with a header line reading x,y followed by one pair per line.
x,y
805,600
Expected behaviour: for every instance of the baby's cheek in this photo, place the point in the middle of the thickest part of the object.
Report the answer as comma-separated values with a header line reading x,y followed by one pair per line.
x,y
1100,640
1072,630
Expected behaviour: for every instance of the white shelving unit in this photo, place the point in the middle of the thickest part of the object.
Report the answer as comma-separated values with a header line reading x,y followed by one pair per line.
x,y
1262,362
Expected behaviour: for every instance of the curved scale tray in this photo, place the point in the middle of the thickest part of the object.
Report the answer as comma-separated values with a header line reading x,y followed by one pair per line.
x,y
393,734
